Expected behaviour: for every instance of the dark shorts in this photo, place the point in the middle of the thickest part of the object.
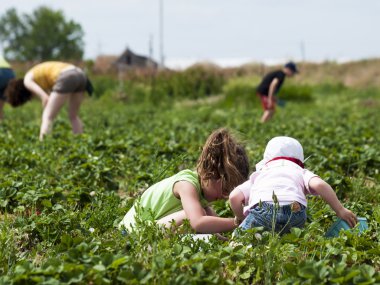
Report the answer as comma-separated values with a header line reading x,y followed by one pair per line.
x,y
264,102
6,74
71,81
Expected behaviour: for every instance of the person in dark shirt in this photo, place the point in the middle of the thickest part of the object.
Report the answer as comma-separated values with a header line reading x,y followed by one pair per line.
x,y
270,85
6,74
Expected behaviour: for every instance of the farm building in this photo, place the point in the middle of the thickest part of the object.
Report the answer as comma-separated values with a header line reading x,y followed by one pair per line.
x,y
129,60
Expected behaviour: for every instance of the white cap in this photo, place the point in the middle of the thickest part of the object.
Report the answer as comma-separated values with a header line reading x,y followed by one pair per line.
x,y
281,146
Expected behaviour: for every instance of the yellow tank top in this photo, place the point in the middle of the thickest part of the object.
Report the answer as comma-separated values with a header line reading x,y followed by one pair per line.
x,y
45,74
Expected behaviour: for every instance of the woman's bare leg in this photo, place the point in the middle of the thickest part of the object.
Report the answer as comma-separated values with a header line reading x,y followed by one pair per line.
x,y
54,104
75,101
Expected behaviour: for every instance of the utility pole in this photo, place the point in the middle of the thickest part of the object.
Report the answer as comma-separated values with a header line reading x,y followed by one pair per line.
x,y
303,52
150,47
162,57
150,50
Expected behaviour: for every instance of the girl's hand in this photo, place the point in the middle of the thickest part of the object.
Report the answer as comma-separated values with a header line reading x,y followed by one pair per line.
x,y
348,216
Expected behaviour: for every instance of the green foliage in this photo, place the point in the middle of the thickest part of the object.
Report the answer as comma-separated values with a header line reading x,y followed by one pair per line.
x,y
195,82
296,92
161,86
331,87
45,34
241,91
104,85
61,200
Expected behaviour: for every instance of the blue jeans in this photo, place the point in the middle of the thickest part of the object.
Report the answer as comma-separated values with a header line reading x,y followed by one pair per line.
x,y
281,219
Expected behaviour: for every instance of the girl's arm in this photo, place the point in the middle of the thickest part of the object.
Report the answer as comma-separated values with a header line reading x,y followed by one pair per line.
x,y
194,211
323,189
237,201
177,217
35,88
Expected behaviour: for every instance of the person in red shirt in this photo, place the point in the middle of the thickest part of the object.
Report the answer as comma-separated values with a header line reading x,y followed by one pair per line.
x,y
270,85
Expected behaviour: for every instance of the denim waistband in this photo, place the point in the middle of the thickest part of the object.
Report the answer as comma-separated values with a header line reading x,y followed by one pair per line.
x,y
293,207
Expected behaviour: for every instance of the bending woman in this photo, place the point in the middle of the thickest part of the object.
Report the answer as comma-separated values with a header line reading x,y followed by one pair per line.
x,y
6,74
53,83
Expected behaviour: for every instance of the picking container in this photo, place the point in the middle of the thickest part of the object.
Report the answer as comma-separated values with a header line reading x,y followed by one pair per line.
x,y
340,224
281,102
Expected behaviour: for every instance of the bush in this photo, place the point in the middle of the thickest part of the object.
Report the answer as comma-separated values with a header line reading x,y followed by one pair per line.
x,y
299,93
328,87
194,82
241,91
157,87
103,84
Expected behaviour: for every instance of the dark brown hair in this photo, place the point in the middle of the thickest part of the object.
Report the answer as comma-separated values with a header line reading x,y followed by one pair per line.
x,y
223,157
16,93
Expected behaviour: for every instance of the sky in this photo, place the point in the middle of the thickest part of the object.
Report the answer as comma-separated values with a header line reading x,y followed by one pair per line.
x,y
227,32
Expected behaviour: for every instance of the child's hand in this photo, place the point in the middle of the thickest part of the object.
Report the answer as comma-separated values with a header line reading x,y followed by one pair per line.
x,y
348,216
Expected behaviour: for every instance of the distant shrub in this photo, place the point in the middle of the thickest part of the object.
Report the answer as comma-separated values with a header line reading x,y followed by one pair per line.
x,y
300,93
195,82
331,87
136,92
240,91
137,86
103,84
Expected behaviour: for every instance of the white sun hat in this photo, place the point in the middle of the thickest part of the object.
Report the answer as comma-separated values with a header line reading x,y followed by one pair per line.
x,y
281,146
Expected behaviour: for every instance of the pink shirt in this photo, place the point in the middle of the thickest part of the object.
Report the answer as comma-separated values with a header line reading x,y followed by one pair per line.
x,y
286,179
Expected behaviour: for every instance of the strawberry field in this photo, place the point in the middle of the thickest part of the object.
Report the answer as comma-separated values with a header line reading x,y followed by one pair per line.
x,y
61,200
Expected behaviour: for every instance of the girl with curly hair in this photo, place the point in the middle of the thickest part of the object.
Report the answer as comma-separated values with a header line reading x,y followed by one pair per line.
x,y
222,165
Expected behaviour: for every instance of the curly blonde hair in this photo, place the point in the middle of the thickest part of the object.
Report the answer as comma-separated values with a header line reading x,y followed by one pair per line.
x,y
223,158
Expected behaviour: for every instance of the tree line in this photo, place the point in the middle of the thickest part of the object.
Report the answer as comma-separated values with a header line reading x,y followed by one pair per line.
x,y
45,34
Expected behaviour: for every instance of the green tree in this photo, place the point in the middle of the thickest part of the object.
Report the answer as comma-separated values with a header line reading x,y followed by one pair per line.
x,y
43,35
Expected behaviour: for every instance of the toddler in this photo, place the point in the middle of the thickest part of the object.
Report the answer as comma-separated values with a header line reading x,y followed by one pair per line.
x,y
275,194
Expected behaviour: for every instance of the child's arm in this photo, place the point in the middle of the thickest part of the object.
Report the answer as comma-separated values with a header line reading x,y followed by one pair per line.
x,y
272,90
237,201
194,211
177,217
323,189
